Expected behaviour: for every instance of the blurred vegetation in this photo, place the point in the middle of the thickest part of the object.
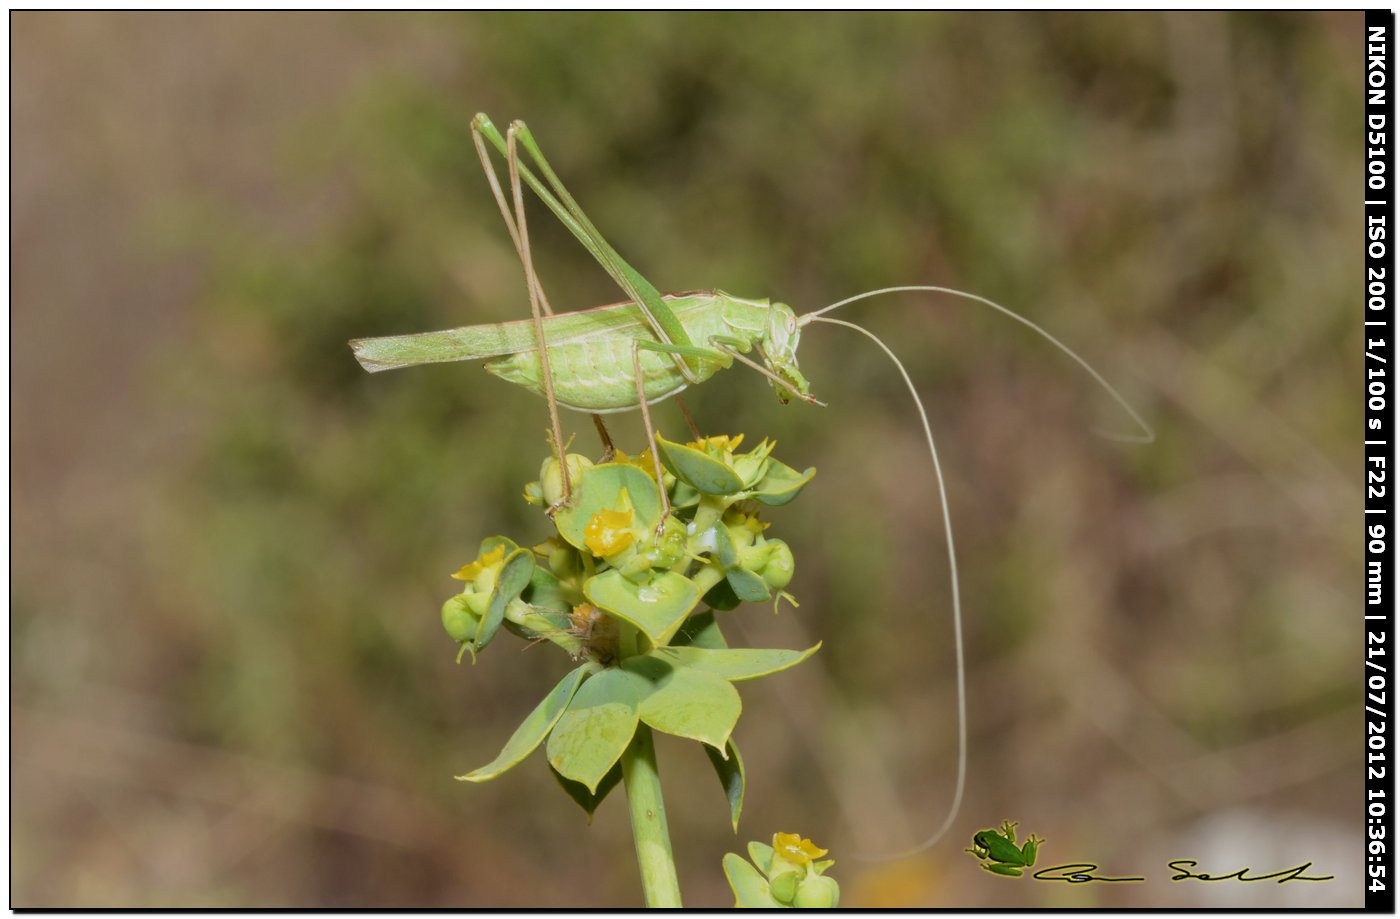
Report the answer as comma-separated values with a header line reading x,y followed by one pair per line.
x,y
230,686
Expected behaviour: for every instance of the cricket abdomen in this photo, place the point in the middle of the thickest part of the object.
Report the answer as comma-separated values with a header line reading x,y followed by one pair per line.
x,y
595,373
598,376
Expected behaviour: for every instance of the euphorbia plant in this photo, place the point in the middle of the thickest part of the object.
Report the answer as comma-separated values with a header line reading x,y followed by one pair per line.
x,y
632,599
788,874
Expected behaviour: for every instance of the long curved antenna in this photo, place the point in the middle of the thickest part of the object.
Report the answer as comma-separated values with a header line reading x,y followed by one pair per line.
x,y
956,593
1146,437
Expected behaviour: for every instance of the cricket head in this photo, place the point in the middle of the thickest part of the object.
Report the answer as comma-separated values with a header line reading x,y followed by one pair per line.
x,y
779,351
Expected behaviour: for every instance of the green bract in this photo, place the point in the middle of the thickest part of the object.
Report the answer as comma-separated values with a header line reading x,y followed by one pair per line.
x,y
622,593
656,607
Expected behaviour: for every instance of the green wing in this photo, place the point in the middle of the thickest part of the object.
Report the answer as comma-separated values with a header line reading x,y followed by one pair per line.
x,y
480,342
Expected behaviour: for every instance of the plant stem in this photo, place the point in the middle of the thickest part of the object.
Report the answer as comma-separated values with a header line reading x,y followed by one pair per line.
x,y
707,577
643,784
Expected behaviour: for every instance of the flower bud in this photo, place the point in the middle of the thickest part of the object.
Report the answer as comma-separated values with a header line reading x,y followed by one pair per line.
x,y
817,891
562,558
784,886
779,570
743,529
478,602
552,483
751,466
459,619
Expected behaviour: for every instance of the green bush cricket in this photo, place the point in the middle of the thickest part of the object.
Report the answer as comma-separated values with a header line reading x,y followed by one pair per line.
x,y
649,347
610,358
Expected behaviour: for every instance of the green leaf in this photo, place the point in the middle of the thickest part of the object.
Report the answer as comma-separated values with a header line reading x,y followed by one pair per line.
x,y
750,888
780,484
513,578
492,542
783,886
700,631
698,469
684,495
598,488
685,702
544,623
545,591
656,608
597,727
721,596
589,800
762,855
817,892
731,778
735,664
725,553
534,728
747,586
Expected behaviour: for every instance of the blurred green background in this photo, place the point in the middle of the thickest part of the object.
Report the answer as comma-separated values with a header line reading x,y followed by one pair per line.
x,y
229,683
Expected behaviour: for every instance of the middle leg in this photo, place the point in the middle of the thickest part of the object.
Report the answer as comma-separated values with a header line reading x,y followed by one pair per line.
x,y
608,451
651,437
689,419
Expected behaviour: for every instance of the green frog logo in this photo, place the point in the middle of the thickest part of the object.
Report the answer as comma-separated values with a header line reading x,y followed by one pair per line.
x,y
998,851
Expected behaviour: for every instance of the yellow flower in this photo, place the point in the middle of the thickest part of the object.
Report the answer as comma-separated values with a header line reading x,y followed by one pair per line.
x,y
795,849
642,461
749,467
609,532
725,443
471,571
